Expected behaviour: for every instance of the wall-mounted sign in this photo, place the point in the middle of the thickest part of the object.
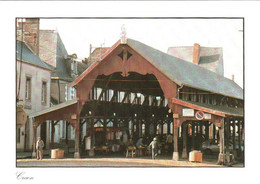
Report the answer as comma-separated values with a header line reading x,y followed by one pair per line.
x,y
74,116
199,115
175,115
188,112
207,116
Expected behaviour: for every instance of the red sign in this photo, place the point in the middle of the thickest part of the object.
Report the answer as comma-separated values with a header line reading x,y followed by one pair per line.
x,y
199,115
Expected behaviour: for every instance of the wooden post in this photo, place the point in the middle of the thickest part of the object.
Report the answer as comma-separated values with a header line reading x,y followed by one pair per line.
x,y
207,131
67,137
193,136
200,137
214,131
221,143
175,155
234,138
34,140
239,138
227,135
52,134
184,150
77,137
105,128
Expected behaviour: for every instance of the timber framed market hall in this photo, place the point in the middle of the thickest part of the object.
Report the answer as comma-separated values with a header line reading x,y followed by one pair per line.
x,y
150,90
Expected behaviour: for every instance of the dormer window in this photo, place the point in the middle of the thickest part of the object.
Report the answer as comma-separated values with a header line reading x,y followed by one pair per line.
x,y
74,67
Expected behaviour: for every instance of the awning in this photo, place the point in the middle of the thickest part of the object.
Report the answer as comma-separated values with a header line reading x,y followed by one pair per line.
x,y
54,108
213,109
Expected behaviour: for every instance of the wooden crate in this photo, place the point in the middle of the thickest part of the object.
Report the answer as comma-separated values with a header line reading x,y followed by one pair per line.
x,y
57,153
195,156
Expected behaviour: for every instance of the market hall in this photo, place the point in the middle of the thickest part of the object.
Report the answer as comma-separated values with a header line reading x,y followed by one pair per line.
x,y
136,91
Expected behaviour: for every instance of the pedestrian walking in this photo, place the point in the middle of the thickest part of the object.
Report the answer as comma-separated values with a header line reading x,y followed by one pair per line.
x,y
39,148
155,147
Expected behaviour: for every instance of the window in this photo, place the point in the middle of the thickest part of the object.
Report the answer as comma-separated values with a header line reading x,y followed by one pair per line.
x,y
28,89
44,93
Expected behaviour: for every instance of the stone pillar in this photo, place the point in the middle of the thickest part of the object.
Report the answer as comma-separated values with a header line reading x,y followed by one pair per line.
x,y
77,137
221,144
34,140
184,151
175,155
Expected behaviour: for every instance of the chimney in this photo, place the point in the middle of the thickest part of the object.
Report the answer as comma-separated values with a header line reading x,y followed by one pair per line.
x,y
31,33
233,77
196,53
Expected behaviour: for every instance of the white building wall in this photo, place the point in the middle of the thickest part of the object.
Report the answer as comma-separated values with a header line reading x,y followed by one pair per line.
x,y
38,75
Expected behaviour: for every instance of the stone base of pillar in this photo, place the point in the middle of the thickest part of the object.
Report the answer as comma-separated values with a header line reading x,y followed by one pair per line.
x,y
76,155
33,154
221,158
175,156
91,153
184,154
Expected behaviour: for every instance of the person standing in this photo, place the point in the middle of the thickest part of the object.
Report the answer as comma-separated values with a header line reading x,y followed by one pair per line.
x,y
39,148
155,147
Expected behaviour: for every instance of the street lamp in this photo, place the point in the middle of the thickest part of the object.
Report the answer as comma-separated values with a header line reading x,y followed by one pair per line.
x,y
89,112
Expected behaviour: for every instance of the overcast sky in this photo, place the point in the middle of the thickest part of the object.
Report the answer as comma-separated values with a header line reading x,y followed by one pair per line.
x,y
78,34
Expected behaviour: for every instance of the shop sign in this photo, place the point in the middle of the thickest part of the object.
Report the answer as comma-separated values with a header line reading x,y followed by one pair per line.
x,y
207,116
188,112
175,115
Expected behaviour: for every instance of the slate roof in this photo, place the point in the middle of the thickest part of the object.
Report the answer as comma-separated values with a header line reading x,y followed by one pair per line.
x,y
28,56
211,58
186,73
62,65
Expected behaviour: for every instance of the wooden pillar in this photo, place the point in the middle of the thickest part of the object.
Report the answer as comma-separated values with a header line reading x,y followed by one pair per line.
x,y
91,151
105,128
52,134
214,131
77,137
175,155
200,137
184,138
207,130
239,137
193,136
67,137
227,136
234,138
34,140
221,144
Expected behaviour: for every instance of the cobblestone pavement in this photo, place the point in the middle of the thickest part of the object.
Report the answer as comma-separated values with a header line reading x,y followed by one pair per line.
x,y
110,162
